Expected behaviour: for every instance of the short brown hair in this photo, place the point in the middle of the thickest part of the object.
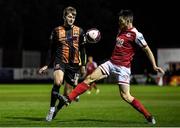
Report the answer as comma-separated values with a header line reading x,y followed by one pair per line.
x,y
127,14
68,10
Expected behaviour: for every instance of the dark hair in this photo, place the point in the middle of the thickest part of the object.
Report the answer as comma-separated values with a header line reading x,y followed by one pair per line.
x,y
127,14
68,10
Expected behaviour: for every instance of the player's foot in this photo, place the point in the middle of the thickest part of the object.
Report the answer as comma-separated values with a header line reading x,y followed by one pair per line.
x,y
49,116
55,113
151,120
97,91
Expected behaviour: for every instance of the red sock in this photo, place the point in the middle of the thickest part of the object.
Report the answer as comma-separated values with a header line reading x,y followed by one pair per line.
x,y
138,106
79,89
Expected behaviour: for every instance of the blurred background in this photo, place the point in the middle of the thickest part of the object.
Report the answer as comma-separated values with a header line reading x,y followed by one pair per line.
x,y
25,27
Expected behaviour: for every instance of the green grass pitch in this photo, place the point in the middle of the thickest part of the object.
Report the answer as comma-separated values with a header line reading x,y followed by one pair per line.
x,y
27,106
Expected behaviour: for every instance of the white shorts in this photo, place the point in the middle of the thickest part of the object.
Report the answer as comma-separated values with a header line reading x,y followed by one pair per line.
x,y
121,73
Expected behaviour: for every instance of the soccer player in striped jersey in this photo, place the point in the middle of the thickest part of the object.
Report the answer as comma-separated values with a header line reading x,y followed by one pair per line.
x,y
120,65
66,52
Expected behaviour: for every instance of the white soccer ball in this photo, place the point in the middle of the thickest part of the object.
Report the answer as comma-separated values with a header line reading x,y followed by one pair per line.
x,y
93,35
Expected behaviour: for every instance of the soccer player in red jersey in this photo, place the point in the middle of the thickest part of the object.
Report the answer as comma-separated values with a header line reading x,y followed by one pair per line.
x,y
90,67
119,64
66,52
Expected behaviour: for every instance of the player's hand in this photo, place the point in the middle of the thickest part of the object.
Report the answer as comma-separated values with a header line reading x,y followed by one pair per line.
x,y
159,69
43,69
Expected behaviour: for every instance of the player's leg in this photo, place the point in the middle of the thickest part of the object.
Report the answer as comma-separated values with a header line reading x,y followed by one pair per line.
x,y
123,77
58,79
71,77
67,89
84,86
101,72
125,94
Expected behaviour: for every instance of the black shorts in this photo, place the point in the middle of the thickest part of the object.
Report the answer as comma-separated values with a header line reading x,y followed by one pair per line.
x,y
71,72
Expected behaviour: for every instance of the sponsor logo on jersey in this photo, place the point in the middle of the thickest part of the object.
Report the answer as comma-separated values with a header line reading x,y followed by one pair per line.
x,y
128,34
119,41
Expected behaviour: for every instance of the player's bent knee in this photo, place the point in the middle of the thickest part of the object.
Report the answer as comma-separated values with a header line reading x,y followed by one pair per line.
x,y
58,82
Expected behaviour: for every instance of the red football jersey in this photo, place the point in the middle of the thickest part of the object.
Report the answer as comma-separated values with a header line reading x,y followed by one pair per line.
x,y
125,46
90,67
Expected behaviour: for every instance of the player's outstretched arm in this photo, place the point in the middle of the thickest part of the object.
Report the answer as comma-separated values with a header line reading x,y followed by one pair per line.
x,y
152,60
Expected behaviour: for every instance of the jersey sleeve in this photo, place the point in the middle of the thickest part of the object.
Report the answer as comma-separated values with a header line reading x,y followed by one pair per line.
x,y
82,37
139,40
50,55
82,48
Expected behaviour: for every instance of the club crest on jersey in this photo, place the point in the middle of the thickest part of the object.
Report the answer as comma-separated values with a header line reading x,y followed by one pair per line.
x,y
128,34
76,33
119,41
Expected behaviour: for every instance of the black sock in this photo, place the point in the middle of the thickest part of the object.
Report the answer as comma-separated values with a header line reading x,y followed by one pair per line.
x,y
54,92
60,105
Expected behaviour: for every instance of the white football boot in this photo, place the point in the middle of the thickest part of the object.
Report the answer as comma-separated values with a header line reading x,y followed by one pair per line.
x,y
49,116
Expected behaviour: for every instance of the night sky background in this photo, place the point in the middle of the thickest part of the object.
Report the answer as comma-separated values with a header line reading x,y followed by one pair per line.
x,y
27,24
